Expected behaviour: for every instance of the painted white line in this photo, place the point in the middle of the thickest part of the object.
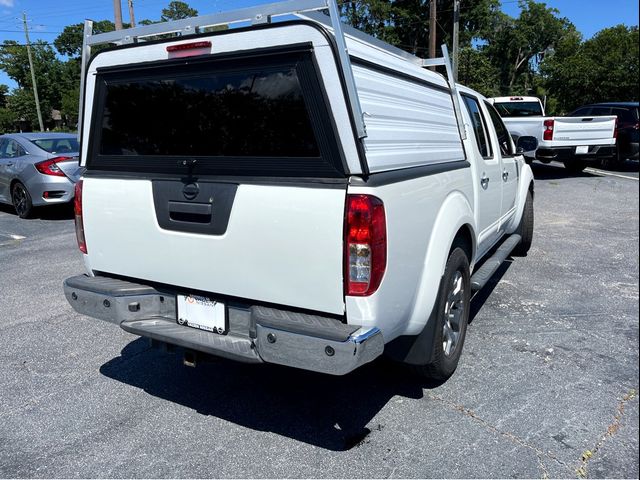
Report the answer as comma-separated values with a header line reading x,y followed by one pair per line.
x,y
609,174
17,237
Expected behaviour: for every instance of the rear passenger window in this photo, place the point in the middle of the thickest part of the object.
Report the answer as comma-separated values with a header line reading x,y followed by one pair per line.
x,y
504,139
479,125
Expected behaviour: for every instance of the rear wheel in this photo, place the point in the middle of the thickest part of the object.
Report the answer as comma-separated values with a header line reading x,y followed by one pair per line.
x,y
525,227
21,200
613,162
452,315
575,165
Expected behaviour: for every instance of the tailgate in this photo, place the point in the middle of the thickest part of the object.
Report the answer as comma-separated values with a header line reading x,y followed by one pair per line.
x,y
281,244
571,131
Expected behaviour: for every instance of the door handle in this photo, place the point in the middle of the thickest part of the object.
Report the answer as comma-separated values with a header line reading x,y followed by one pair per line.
x,y
484,181
505,175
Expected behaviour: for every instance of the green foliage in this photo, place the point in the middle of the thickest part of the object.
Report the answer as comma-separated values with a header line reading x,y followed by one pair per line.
x,y
476,71
177,11
603,68
517,46
405,23
4,92
69,42
23,108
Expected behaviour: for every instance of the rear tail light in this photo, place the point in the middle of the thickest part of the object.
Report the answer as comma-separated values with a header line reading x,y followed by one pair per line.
x,y
615,129
365,254
548,130
77,208
50,167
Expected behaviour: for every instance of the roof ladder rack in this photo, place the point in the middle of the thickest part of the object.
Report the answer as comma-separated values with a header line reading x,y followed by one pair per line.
x,y
256,15
446,61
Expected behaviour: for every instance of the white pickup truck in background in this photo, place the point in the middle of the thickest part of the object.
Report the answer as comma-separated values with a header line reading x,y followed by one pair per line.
x,y
267,219
575,141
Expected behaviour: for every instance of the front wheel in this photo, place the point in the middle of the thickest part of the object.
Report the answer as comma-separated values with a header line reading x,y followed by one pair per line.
x,y
452,316
21,200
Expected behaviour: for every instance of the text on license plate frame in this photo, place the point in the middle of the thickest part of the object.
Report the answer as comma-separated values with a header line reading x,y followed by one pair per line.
x,y
203,313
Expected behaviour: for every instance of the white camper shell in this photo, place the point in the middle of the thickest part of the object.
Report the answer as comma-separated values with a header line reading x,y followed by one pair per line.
x,y
295,193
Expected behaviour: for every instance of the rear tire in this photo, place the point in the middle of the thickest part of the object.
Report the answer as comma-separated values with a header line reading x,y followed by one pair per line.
x,y
452,316
575,165
612,162
525,227
21,200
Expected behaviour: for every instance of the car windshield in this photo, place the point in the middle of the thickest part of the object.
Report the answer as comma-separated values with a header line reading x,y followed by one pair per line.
x,y
519,109
57,145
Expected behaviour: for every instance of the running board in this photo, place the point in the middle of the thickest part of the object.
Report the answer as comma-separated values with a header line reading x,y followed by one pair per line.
x,y
481,276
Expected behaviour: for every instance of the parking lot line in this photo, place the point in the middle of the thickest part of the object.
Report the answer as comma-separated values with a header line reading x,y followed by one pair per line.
x,y
602,172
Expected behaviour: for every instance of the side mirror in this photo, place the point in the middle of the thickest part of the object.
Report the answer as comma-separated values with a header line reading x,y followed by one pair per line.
x,y
526,144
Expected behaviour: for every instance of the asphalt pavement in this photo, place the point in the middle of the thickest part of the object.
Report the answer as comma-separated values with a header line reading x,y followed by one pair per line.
x,y
547,385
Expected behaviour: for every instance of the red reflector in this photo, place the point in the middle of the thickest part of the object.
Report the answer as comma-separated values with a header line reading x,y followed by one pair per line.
x,y
49,167
77,208
548,130
365,255
188,46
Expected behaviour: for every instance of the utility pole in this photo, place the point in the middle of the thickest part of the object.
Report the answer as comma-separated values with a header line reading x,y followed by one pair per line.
x,y
117,11
132,19
432,30
33,73
456,30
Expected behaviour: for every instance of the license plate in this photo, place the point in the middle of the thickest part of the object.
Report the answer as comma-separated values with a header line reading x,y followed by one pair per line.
x,y
202,313
582,150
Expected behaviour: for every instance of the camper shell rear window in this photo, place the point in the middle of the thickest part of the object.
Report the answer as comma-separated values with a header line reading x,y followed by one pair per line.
x,y
256,115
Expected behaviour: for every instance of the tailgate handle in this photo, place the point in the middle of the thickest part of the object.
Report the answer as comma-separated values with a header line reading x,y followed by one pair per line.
x,y
587,119
190,212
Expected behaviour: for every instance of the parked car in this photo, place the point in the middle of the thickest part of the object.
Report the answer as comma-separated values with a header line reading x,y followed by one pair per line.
x,y
37,169
574,141
628,127
300,232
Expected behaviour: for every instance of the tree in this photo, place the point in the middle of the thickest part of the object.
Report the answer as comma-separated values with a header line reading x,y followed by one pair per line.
x,y
603,68
69,42
476,71
517,46
177,11
405,23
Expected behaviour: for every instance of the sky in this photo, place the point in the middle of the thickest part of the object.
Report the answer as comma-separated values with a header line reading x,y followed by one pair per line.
x,y
47,18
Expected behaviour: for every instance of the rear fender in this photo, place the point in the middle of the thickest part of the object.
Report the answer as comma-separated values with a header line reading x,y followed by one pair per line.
x,y
415,346
454,214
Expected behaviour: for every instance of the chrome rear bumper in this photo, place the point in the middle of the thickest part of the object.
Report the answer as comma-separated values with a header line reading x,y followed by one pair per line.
x,y
256,334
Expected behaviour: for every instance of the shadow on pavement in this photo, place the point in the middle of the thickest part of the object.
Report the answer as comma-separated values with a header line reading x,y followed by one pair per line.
x,y
323,410
555,171
51,212
326,411
479,298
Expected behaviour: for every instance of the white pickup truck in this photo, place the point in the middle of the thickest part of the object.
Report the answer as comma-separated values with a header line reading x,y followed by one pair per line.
x,y
260,194
575,141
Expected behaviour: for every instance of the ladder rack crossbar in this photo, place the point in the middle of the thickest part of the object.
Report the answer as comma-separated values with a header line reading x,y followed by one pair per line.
x,y
191,25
